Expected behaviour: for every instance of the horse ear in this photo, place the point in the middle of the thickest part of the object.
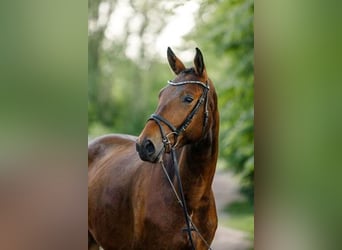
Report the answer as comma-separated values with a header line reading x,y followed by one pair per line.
x,y
199,64
176,65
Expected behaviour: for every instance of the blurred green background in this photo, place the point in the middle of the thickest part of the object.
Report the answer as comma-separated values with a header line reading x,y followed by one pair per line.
x,y
127,67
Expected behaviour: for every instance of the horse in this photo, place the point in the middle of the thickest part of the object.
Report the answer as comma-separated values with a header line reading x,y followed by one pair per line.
x,y
132,199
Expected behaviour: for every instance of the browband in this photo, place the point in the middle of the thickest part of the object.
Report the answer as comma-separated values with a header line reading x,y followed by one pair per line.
x,y
204,85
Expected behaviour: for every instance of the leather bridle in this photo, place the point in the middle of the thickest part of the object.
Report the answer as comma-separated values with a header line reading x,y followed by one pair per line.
x,y
190,226
177,131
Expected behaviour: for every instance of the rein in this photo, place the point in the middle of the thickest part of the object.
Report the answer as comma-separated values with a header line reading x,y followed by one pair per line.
x,y
167,144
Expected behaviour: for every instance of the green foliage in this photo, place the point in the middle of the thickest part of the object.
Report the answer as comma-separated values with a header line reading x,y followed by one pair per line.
x,y
241,217
122,92
128,94
226,29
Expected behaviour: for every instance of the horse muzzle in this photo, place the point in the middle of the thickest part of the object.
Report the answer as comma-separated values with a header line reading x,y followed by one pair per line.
x,y
147,150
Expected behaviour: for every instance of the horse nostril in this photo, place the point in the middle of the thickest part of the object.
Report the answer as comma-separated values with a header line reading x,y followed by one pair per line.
x,y
149,147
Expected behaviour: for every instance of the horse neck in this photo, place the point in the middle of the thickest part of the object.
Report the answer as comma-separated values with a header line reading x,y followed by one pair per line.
x,y
198,165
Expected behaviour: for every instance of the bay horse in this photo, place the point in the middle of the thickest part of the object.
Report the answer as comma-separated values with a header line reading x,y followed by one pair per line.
x,y
132,199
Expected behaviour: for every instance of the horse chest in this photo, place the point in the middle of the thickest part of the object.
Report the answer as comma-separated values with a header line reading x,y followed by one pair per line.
x,y
159,222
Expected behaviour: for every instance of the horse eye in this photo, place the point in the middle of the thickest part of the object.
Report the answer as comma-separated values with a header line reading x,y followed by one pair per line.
x,y
188,99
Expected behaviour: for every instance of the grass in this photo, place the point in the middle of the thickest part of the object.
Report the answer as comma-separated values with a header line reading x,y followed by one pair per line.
x,y
241,217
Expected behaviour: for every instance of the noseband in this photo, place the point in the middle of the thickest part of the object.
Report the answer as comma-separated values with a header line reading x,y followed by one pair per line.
x,y
177,131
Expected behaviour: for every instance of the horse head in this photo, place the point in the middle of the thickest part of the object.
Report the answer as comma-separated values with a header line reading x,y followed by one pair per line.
x,y
182,114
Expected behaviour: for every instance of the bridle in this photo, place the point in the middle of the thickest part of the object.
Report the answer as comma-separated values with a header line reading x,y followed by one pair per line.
x,y
177,131
190,226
